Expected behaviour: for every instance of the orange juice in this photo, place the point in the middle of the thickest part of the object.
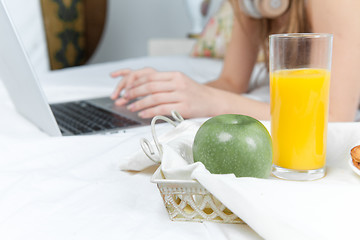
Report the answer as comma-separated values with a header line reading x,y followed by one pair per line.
x,y
299,115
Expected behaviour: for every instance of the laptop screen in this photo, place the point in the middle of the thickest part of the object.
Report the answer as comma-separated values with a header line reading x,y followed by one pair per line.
x,y
19,78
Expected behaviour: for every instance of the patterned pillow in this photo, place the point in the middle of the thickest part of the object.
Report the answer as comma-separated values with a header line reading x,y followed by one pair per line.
x,y
73,29
216,34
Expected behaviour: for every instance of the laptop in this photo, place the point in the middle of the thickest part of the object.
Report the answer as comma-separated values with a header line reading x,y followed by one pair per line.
x,y
89,116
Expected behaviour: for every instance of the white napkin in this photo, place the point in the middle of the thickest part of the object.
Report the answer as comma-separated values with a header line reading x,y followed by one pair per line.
x,y
179,138
279,209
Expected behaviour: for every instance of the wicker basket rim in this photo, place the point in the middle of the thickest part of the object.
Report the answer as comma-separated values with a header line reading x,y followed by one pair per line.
x,y
159,178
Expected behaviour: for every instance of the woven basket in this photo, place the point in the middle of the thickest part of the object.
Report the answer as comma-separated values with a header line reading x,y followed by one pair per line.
x,y
187,200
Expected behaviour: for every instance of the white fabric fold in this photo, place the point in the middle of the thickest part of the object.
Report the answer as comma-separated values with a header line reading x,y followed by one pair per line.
x,y
179,138
278,209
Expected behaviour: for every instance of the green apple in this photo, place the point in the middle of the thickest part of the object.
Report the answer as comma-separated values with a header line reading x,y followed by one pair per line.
x,y
233,143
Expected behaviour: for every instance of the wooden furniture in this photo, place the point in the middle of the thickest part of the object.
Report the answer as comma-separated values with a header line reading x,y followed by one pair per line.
x,y
73,30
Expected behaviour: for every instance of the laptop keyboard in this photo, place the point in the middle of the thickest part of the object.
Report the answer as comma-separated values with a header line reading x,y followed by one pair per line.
x,y
82,117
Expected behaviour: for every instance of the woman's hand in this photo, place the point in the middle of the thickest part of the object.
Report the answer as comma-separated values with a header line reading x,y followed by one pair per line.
x,y
158,93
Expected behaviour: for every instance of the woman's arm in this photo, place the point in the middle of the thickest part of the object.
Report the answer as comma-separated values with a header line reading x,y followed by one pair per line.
x,y
342,19
163,92
241,55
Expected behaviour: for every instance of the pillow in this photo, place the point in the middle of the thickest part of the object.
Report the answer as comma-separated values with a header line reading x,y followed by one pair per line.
x,y
216,34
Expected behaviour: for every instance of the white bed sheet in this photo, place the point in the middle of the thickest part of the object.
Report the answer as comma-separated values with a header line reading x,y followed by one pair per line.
x,y
71,187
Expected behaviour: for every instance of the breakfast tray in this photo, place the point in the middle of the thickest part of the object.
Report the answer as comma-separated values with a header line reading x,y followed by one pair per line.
x,y
185,200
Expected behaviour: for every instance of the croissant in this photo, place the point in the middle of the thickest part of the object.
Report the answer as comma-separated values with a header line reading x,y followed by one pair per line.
x,y
355,155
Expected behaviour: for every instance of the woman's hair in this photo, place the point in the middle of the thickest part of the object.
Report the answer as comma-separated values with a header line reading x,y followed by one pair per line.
x,y
295,21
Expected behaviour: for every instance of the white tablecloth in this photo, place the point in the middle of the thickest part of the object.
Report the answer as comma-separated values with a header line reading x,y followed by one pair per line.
x,y
71,187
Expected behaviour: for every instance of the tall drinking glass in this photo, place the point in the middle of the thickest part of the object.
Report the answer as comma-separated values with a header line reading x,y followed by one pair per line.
x,y
300,67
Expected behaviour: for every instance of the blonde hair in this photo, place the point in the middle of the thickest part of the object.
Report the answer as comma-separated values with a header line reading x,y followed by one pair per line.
x,y
295,21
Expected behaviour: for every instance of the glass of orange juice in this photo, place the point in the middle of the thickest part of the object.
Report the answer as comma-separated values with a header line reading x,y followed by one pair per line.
x,y
300,69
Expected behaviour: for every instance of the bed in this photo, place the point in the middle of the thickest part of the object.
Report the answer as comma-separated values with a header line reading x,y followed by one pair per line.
x,y
72,187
